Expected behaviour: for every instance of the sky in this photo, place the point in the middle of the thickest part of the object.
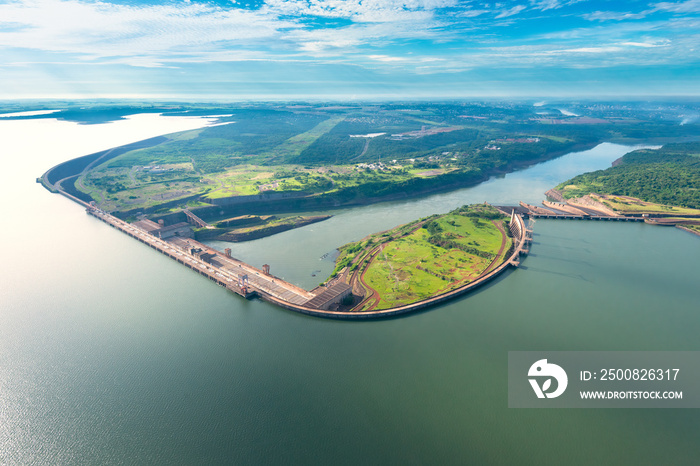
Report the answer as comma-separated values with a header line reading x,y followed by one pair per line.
x,y
347,49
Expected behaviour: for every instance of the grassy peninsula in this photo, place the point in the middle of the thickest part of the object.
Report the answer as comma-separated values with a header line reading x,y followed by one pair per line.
x,y
250,227
425,258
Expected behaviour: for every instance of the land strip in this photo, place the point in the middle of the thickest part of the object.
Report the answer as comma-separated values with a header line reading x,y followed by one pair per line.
x,y
248,281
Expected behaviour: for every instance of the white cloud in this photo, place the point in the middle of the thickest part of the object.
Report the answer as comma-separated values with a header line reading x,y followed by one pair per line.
x,y
151,36
511,12
472,13
545,5
647,45
601,49
370,11
689,6
386,58
322,42
615,15
98,30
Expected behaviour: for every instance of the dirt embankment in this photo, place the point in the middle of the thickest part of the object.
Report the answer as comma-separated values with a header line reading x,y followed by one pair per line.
x,y
590,203
556,195
263,231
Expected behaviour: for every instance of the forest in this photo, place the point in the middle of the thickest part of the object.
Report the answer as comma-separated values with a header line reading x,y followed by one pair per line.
x,y
670,175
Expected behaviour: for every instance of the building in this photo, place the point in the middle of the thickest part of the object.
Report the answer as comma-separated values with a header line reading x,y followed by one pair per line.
x,y
201,254
182,229
330,297
159,230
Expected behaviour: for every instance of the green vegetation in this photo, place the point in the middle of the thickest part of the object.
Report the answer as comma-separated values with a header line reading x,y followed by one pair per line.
x,y
353,254
668,176
324,155
428,257
347,155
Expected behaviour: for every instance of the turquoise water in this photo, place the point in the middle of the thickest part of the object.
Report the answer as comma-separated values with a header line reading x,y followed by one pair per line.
x,y
112,353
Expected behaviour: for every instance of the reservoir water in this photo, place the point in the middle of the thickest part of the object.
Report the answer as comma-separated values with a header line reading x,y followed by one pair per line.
x,y
112,353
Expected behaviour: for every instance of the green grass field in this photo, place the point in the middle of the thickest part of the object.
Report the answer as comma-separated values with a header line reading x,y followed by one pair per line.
x,y
413,267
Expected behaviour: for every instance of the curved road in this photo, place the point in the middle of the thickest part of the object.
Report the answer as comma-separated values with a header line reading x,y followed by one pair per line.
x,y
372,256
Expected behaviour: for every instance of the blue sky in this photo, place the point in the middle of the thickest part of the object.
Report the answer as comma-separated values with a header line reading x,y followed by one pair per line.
x,y
348,49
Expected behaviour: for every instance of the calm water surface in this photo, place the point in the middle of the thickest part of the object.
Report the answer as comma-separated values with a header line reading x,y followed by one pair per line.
x,y
112,353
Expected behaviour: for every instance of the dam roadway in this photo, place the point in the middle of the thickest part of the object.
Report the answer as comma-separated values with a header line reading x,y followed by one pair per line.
x,y
234,275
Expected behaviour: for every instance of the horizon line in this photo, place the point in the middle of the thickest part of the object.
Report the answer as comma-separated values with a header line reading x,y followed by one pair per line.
x,y
340,98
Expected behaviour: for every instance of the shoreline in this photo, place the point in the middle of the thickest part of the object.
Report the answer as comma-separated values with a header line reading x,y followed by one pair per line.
x,y
694,232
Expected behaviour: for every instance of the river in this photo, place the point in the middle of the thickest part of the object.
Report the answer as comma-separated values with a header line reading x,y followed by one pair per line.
x,y
112,353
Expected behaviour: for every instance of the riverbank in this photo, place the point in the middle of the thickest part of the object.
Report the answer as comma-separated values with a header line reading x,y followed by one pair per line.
x,y
350,197
694,229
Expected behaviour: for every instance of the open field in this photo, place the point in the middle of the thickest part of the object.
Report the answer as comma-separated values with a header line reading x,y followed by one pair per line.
x,y
149,185
411,269
428,257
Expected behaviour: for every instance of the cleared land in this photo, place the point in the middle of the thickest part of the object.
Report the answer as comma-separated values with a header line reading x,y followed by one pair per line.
x,y
629,205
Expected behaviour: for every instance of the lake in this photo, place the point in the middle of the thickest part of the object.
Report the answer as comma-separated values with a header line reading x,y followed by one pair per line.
x,y
112,353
